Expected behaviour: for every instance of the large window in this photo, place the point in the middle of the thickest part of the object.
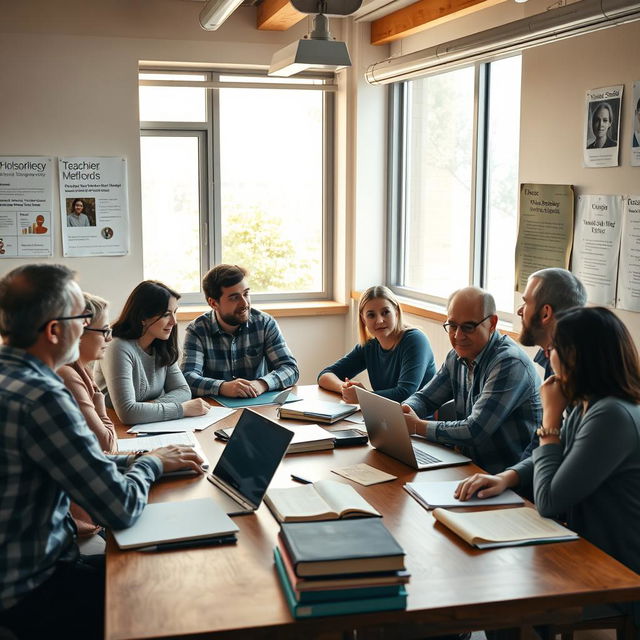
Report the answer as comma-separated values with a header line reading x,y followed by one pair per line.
x,y
237,169
454,181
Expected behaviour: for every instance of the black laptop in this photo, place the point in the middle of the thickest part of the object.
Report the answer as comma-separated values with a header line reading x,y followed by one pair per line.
x,y
248,463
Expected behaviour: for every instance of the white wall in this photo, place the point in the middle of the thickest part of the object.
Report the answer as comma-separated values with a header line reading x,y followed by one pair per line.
x,y
68,72
555,79
68,78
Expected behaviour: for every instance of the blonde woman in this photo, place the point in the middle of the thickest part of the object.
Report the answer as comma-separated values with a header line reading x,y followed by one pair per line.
x,y
78,378
397,358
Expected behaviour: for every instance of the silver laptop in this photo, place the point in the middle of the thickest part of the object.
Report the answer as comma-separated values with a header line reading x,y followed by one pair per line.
x,y
249,461
388,432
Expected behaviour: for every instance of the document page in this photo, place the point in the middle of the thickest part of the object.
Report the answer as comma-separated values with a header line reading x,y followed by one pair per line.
x,y
503,526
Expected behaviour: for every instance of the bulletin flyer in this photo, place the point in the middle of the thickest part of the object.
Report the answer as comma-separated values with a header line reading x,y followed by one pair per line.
x,y
545,229
629,268
635,126
596,245
93,206
26,203
602,127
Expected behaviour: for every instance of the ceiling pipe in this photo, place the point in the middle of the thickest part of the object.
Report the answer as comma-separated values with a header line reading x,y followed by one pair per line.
x,y
571,20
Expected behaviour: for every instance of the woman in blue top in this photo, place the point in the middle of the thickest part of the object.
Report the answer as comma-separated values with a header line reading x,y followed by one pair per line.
x,y
398,359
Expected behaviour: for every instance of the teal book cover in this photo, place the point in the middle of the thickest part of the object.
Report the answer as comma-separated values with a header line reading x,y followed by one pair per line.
x,y
341,607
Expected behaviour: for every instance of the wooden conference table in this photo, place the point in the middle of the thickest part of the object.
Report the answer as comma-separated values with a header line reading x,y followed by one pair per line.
x,y
234,592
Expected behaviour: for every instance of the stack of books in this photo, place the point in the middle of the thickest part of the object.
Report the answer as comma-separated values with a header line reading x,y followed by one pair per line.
x,y
306,437
340,567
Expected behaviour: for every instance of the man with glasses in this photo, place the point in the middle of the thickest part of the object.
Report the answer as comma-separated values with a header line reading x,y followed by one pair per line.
x,y
492,382
47,455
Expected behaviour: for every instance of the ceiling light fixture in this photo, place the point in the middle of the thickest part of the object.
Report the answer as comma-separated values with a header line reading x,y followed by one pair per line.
x,y
318,50
215,12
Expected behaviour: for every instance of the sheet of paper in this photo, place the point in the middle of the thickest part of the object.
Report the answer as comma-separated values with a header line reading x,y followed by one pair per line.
x,y
635,126
94,206
629,264
364,474
602,126
26,204
356,418
545,229
196,423
596,244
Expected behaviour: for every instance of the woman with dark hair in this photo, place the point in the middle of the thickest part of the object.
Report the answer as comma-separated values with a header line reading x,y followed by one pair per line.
x,y
139,375
601,123
397,358
587,467
77,217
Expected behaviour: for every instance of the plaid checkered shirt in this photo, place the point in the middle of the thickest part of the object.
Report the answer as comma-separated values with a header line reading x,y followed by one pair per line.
x,y
256,351
47,455
497,404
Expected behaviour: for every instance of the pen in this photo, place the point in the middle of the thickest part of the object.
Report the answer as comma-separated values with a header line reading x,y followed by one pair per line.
x,y
301,479
190,544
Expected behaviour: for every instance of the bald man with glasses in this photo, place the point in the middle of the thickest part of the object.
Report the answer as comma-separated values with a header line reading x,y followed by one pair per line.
x,y
492,382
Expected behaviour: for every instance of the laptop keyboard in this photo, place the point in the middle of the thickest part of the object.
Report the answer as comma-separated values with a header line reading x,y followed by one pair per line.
x,y
425,458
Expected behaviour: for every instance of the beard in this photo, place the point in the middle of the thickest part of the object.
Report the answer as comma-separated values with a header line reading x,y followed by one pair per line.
x,y
72,348
232,319
530,334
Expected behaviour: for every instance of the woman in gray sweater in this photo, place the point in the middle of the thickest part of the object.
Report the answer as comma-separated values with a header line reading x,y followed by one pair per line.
x,y
587,467
139,374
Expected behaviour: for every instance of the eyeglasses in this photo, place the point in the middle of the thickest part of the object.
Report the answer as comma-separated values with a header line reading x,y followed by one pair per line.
x,y
86,318
465,327
106,333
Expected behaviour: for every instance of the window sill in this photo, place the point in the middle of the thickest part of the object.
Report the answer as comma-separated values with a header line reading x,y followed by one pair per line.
x,y
277,309
436,313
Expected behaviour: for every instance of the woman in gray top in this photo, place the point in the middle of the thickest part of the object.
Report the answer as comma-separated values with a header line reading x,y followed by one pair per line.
x,y
139,374
587,467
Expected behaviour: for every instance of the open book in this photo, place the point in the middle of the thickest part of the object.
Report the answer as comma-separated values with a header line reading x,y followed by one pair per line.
x,y
149,443
503,527
322,500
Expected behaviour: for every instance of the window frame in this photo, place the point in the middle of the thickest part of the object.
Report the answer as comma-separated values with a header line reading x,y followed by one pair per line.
x,y
210,166
397,160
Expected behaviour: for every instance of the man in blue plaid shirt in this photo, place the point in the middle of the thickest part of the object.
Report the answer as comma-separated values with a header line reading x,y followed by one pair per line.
x,y
492,382
48,455
234,350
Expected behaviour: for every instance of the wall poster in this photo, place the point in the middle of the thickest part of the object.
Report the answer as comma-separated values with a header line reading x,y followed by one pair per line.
x,y
596,244
545,229
602,127
94,207
26,203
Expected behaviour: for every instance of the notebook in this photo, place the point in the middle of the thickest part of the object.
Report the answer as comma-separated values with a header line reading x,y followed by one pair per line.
x,y
166,522
318,411
388,432
306,437
440,494
249,461
149,443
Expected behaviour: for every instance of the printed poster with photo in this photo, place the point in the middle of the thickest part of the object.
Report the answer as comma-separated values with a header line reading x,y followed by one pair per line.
x,y
635,126
596,245
94,207
629,268
602,127
26,203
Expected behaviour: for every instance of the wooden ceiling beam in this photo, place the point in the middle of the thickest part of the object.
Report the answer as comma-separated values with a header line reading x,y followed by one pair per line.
x,y
422,15
277,15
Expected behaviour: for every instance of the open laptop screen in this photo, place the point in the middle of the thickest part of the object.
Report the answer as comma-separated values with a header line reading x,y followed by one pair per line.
x,y
252,455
